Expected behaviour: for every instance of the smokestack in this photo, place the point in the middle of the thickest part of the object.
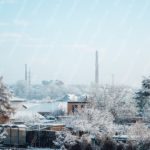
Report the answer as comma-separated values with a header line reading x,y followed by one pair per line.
x,y
29,76
26,74
96,69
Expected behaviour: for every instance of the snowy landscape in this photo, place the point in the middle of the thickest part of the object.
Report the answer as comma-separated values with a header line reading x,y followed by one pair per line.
x,y
112,116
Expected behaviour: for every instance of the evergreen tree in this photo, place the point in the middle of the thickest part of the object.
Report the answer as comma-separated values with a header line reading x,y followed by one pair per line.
x,y
143,96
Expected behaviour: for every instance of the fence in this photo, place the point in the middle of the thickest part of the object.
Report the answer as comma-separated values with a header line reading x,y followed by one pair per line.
x,y
41,139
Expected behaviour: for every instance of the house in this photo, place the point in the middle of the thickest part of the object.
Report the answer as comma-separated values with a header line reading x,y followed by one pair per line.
x,y
75,106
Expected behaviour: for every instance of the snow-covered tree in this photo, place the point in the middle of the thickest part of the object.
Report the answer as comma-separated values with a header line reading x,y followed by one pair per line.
x,y
142,96
5,107
27,117
110,103
65,139
138,131
20,89
117,99
53,89
92,120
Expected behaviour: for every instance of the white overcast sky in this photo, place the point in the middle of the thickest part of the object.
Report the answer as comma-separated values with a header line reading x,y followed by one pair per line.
x,y
58,39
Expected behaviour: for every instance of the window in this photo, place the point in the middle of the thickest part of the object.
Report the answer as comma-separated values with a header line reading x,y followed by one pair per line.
x,y
74,108
82,106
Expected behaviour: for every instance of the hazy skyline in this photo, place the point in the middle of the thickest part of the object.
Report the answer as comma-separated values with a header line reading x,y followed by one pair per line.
x,y
58,40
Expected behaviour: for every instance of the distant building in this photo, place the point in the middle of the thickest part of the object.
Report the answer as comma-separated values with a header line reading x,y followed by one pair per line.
x,y
74,107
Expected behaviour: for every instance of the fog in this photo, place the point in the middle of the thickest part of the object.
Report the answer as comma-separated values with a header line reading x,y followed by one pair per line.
x,y
58,40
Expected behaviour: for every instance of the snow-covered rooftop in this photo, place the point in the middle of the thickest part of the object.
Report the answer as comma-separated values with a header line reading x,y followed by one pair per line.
x,y
26,116
46,107
17,99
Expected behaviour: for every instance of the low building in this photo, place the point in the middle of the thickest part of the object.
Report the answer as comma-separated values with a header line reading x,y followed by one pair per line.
x,y
74,107
18,103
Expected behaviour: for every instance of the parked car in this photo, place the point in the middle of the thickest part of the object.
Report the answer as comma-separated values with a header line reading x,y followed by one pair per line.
x,y
51,118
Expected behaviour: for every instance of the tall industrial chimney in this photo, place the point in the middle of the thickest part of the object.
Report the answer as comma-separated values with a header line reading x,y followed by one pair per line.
x,y
26,73
29,78
96,69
